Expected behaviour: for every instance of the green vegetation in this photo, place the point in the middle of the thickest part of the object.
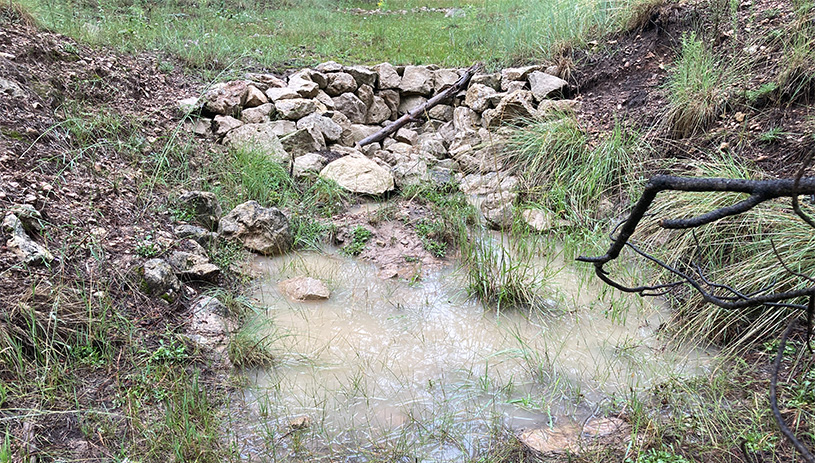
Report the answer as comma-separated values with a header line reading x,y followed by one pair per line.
x,y
296,33
359,238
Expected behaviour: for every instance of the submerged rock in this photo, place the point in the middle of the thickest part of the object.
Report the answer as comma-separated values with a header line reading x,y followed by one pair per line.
x,y
304,289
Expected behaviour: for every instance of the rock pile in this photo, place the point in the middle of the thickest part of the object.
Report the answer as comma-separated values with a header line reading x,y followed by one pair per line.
x,y
319,115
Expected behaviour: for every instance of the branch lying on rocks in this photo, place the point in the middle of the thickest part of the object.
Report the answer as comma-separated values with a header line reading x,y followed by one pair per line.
x,y
727,297
421,109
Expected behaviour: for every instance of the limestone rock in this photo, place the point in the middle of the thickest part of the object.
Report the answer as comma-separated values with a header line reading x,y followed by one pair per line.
x,y
304,87
417,80
203,205
295,108
160,280
410,170
357,132
30,218
432,145
330,130
562,106
378,111
226,98
537,219
478,97
25,248
444,79
259,229
275,94
544,85
325,100
362,75
200,235
465,119
339,83
518,73
304,288
509,86
266,80
498,209
406,135
259,137
303,141
387,75
254,97
192,266
352,107
308,165
358,174
490,80
366,94
329,66
313,75
410,102
202,126
441,112
392,99
210,327
223,124
259,114
492,182
515,107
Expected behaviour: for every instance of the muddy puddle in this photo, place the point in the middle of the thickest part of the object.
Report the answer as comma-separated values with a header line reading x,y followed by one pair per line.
x,y
418,368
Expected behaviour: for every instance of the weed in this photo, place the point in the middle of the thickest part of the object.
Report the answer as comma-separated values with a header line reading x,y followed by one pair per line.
x,y
772,135
251,345
428,232
148,247
762,95
5,448
698,88
327,197
359,237
659,456
173,352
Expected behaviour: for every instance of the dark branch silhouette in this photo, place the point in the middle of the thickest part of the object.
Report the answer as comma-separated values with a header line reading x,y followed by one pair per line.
x,y
721,295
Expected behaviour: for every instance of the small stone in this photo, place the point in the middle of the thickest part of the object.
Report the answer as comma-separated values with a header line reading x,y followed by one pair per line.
x,y
304,289
254,97
223,124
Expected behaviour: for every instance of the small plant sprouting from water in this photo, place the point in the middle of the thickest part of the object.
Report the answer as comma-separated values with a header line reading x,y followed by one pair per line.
x,y
359,237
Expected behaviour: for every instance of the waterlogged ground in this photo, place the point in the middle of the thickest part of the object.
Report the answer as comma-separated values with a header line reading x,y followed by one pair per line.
x,y
419,369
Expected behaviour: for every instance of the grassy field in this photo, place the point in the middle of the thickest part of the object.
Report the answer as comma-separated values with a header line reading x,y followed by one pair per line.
x,y
229,34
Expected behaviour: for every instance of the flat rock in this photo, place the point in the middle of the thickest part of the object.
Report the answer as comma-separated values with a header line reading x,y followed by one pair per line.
x,y
444,79
267,80
359,174
329,66
295,108
259,114
200,235
191,266
518,73
264,230
304,87
362,74
304,288
281,93
221,125
490,80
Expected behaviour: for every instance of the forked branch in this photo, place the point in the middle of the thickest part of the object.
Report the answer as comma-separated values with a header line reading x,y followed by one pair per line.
x,y
724,296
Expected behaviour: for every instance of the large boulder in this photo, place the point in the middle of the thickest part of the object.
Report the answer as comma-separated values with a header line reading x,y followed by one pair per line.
x,y
260,229
203,205
359,174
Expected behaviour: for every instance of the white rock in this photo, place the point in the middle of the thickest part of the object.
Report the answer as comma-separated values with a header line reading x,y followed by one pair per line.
x,y
223,124
304,288
388,77
339,83
544,85
417,80
254,97
282,93
260,137
358,174
296,108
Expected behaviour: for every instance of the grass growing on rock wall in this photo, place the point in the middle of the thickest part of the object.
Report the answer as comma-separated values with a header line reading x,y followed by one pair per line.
x,y
212,35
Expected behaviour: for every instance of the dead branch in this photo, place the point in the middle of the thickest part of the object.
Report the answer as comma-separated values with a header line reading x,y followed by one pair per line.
x,y
724,296
421,109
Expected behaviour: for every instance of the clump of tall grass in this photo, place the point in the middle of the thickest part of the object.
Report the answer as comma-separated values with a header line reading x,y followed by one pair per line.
x,y
559,169
797,76
737,251
698,87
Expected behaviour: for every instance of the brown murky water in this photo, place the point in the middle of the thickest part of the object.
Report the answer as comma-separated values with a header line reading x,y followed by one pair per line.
x,y
421,365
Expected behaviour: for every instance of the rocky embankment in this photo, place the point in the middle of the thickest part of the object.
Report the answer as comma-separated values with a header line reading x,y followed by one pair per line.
x,y
312,122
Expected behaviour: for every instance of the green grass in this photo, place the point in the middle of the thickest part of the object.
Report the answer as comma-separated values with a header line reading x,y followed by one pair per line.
x,y
301,33
698,87
548,155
